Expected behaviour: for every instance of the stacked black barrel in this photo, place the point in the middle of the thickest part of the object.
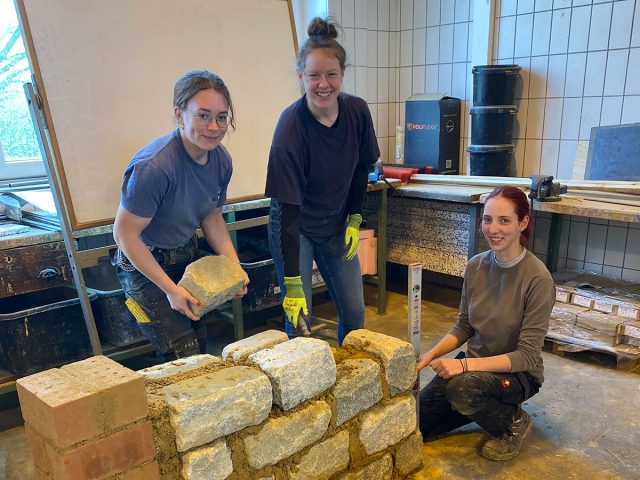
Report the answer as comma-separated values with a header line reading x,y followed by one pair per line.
x,y
492,119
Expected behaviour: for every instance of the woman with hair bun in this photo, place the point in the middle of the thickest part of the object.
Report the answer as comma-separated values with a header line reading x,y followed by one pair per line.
x,y
322,148
504,314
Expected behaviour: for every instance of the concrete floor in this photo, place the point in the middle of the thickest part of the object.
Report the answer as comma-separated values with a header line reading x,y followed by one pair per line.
x,y
586,422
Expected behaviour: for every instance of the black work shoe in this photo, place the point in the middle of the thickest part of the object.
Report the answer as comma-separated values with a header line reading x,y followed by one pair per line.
x,y
508,445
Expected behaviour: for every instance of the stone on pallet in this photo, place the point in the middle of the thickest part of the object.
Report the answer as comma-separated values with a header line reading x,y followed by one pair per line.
x,y
408,456
324,459
213,280
245,347
216,404
357,388
281,437
176,367
210,462
298,369
398,357
385,425
381,469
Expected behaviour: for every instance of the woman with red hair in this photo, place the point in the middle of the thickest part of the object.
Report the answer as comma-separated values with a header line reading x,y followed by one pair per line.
x,y
504,314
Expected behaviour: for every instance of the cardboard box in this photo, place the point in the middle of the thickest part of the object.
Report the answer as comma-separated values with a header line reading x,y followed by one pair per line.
x,y
432,132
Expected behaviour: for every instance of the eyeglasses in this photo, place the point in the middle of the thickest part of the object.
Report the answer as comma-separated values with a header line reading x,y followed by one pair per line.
x,y
204,119
316,77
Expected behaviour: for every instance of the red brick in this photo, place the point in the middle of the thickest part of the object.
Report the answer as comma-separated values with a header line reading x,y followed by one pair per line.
x,y
150,471
122,391
105,457
36,443
59,408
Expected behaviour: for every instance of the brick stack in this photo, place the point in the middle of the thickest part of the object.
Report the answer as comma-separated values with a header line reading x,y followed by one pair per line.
x,y
88,421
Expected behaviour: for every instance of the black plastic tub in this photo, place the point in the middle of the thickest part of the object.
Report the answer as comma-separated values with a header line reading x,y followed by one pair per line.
x,y
114,321
491,160
42,330
492,125
263,291
494,84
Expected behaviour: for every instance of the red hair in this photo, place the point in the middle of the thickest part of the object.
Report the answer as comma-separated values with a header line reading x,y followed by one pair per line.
x,y
520,204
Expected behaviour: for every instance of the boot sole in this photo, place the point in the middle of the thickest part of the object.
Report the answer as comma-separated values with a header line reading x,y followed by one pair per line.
x,y
496,457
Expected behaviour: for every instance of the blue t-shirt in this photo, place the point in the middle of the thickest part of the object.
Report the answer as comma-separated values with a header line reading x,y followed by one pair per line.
x,y
312,165
164,183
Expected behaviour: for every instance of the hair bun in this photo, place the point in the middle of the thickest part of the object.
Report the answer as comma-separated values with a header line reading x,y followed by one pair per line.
x,y
320,28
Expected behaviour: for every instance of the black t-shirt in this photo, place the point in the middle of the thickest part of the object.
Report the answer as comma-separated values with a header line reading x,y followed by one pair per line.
x,y
312,165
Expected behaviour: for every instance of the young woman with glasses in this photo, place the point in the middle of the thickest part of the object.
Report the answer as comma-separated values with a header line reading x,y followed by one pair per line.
x,y
171,187
322,148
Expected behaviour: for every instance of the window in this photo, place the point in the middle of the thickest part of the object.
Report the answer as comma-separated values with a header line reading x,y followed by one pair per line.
x,y
19,151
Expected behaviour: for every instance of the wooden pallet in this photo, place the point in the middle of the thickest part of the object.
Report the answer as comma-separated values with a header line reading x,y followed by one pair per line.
x,y
623,358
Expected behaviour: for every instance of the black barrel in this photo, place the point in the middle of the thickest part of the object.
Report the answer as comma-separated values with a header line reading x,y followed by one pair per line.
x,y
492,125
494,84
491,160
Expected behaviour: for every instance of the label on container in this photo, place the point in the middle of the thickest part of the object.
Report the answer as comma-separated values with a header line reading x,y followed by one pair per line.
x,y
562,296
581,300
603,306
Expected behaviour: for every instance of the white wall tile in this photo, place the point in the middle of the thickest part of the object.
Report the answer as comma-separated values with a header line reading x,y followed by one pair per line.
x,y
552,118
520,122
632,254
633,72
593,267
406,75
383,145
506,8
557,4
349,44
348,13
394,49
447,12
360,19
611,111
538,77
446,43
349,81
615,72
406,48
458,80
621,24
519,157
406,14
523,37
532,153
372,15
334,9
577,3
361,49
635,37
576,66
525,6
460,42
549,157
596,243
566,158
611,272
362,82
445,72
417,85
541,33
419,13
599,29
579,34
419,46
571,118
394,15
383,85
631,109
373,109
560,31
506,36
431,78
577,241
590,116
556,75
594,74
372,48
542,5
462,10
522,81
372,85
383,15
383,117
433,13
631,275
535,118
383,49
433,45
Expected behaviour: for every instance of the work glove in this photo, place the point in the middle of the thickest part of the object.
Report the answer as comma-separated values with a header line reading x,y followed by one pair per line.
x,y
352,235
294,300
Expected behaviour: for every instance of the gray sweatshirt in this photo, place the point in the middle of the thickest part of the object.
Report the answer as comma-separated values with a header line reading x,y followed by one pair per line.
x,y
506,311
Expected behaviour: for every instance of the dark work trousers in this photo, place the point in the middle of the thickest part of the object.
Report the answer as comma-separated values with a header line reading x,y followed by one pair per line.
x,y
489,399
173,334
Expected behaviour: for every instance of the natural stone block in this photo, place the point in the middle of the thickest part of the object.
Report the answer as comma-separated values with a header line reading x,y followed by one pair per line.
x,y
397,356
324,459
281,437
385,425
298,369
216,404
211,462
357,388
408,456
176,367
381,469
213,280
245,347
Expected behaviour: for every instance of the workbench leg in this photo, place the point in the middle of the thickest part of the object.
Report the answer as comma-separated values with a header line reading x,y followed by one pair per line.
x,y
236,303
553,245
382,252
